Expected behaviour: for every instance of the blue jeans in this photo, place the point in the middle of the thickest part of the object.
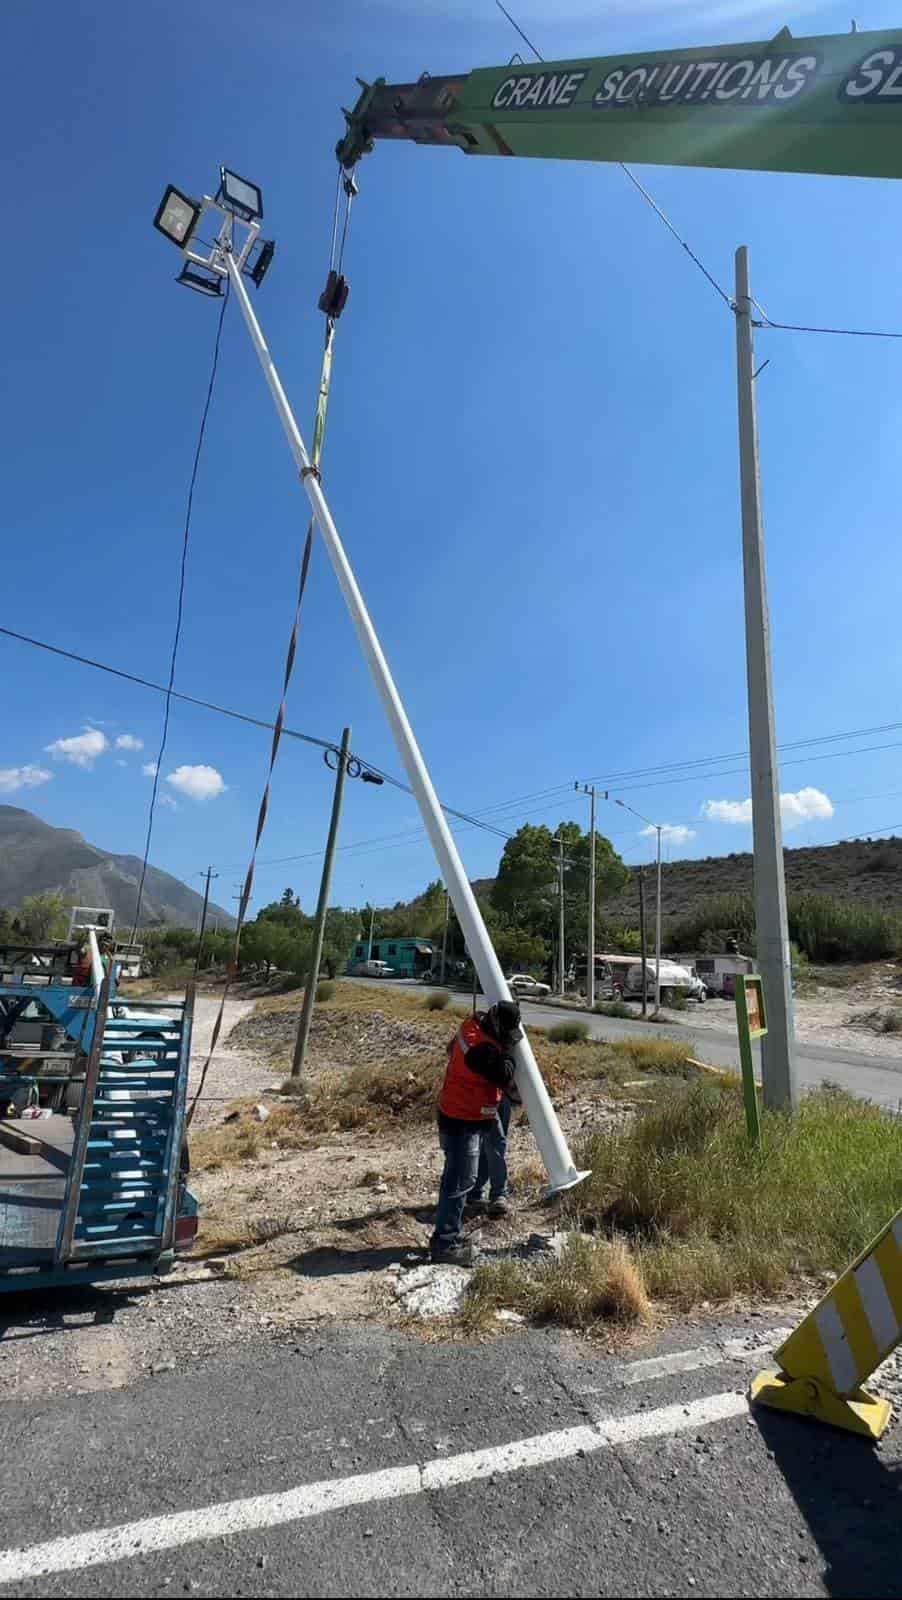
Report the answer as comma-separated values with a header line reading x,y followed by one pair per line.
x,y
492,1168
461,1165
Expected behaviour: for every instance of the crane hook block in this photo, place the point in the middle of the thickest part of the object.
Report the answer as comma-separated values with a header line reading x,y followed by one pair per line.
x,y
334,297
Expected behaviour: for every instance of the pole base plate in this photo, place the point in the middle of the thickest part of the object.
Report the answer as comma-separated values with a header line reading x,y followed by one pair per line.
x,y
860,1412
568,1183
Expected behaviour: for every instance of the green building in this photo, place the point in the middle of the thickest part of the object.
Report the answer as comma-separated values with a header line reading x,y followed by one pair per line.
x,y
408,958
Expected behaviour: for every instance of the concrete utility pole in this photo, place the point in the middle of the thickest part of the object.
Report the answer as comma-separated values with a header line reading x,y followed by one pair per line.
x,y
592,792
562,967
369,948
203,916
642,941
778,1069
322,905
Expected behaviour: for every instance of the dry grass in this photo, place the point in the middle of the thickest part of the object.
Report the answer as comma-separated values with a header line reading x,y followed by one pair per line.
x,y
228,1236
710,1216
595,1283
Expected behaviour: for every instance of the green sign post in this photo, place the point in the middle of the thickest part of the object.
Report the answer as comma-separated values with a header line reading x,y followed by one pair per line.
x,y
751,1022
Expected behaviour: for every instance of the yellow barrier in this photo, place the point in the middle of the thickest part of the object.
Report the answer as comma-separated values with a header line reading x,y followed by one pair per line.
x,y
824,1362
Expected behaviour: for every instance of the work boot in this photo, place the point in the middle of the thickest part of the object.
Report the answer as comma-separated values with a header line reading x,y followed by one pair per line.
x,y
499,1207
476,1207
456,1255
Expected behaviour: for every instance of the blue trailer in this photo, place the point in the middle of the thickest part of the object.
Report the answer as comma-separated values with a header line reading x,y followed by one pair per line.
x,y
92,1124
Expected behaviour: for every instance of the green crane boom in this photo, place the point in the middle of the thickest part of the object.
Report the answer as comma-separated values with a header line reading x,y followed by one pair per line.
x,y
831,104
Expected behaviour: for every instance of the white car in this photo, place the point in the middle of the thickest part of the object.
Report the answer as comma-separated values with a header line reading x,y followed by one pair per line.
x,y
522,984
374,969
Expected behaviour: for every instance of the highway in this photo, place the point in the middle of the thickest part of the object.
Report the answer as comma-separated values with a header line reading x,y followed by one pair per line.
x,y
877,1078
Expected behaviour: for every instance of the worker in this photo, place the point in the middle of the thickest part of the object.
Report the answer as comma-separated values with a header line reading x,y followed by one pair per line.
x,y
479,1074
492,1166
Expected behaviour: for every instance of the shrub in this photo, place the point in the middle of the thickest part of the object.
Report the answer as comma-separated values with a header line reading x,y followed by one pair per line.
x,y
612,1008
325,990
711,1215
438,1000
569,1032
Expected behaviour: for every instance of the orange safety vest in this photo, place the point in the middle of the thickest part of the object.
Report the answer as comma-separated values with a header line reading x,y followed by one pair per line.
x,y
467,1095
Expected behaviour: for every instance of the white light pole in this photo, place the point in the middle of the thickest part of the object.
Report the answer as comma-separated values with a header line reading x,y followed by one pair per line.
x,y
553,1148
658,827
560,935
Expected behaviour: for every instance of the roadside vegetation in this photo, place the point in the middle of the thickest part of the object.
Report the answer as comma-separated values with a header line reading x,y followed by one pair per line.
x,y
701,1216
822,927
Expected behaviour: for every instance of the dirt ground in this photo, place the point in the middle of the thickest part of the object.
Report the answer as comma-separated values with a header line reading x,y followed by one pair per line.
x,y
833,1006
337,1219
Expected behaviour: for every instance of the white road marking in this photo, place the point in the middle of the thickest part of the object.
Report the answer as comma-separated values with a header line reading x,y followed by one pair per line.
x,y
154,1534
705,1355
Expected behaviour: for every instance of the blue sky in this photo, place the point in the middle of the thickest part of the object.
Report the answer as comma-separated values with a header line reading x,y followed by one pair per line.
x,y
531,451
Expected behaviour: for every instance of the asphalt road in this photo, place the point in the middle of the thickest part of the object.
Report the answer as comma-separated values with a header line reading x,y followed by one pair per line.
x,y
360,1462
875,1078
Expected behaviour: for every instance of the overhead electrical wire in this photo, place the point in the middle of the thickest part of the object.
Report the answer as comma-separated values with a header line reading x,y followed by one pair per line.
x,y
179,612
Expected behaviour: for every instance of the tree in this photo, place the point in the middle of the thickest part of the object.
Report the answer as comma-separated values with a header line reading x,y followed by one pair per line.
x,y
527,874
43,917
340,934
289,898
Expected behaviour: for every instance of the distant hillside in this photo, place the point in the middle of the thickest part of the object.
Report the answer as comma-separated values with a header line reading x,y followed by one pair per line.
x,y
857,870
34,858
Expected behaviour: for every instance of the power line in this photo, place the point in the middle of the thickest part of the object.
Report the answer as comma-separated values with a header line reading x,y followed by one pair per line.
x,y
179,610
649,198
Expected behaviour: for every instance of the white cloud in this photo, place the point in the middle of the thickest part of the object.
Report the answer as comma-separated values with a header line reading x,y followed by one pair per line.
x,y
82,749
727,810
805,805
167,800
13,778
129,741
198,783
149,769
675,832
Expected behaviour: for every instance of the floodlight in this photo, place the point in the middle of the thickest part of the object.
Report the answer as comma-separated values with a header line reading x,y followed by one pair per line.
x,y
177,216
201,279
237,195
258,271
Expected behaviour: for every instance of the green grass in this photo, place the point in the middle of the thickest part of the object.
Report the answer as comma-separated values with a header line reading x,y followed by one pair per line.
x,y
822,926
438,1000
710,1216
569,1032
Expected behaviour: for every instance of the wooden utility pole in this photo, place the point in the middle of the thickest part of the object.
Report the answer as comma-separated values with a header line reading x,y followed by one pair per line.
x,y
300,1045
203,916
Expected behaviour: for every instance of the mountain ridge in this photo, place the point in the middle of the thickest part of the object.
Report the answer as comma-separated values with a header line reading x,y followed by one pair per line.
x,y
37,858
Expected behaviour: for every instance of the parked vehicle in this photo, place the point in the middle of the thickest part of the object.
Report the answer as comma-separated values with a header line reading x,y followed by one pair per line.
x,y
673,980
374,969
718,972
521,983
